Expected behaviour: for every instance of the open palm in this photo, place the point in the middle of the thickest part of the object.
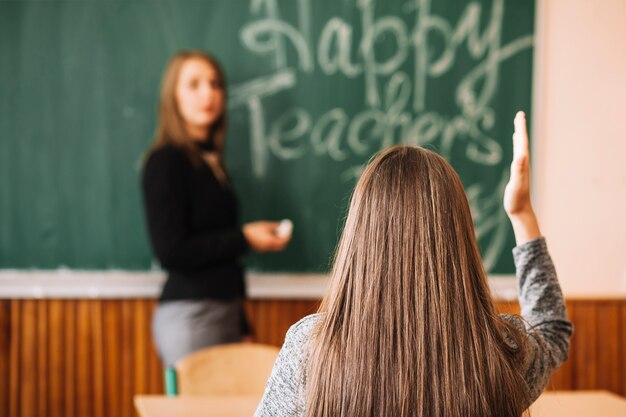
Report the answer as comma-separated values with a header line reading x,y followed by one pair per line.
x,y
517,191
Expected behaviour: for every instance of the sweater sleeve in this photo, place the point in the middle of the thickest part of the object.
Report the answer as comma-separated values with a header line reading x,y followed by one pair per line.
x,y
166,202
543,312
284,392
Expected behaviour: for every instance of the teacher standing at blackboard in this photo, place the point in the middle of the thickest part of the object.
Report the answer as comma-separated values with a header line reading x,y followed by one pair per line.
x,y
192,214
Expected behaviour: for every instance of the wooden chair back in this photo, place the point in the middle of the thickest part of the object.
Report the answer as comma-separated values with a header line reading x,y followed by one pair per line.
x,y
231,369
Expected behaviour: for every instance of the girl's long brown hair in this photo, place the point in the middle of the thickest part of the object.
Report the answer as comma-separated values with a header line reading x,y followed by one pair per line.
x,y
410,328
171,125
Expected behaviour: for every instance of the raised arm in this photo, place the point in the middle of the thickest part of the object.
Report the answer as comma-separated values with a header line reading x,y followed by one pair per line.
x,y
540,296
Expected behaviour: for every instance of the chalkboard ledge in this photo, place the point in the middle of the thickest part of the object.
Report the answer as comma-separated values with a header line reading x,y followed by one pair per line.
x,y
77,284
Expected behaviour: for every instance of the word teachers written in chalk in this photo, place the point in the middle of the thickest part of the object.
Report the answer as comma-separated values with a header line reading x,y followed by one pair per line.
x,y
394,108
418,77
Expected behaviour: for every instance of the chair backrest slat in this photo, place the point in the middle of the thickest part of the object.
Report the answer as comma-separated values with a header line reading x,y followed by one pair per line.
x,y
232,369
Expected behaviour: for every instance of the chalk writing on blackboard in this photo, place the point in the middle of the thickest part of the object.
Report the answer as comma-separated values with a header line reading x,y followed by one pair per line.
x,y
394,108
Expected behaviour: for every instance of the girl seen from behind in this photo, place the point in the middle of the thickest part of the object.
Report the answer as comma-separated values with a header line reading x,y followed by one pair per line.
x,y
408,326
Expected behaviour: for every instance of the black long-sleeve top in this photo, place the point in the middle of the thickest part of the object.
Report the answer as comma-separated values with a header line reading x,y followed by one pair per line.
x,y
193,227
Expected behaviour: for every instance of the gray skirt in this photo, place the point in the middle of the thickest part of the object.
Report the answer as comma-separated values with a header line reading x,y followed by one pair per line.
x,y
183,327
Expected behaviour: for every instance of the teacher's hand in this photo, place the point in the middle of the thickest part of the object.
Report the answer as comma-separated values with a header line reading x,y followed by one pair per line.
x,y
517,203
261,236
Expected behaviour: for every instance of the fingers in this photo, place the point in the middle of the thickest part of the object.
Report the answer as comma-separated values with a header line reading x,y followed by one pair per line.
x,y
519,165
280,242
262,237
274,244
280,245
517,191
267,225
520,137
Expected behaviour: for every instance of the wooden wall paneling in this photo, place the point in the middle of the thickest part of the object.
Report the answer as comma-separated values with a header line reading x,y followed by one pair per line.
x,y
16,359
56,363
274,322
141,331
5,355
127,374
288,318
298,310
263,322
69,332
607,346
43,327
112,323
622,339
97,359
84,366
301,309
309,307
258,320
270,323
264,310
28,371
272,318
584,352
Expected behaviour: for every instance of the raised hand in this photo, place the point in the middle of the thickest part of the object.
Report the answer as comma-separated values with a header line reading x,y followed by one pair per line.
x,y
517,191
517,203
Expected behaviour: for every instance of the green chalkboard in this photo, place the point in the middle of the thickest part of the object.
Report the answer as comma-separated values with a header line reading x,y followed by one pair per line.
x,y
315,89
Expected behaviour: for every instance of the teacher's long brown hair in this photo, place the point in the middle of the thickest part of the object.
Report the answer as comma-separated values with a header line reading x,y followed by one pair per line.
x,y
171,125
410,327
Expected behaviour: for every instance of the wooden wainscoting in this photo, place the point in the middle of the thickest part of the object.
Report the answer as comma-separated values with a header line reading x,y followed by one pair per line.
x,y
89,357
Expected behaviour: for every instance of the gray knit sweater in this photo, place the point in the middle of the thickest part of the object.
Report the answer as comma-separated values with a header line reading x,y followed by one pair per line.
x,y
544,322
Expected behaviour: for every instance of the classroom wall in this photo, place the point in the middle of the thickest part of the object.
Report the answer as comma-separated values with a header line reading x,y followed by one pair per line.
x,y
580,141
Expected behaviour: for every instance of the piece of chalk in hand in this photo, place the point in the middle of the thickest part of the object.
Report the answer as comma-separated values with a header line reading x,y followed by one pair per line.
x,y
284,228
